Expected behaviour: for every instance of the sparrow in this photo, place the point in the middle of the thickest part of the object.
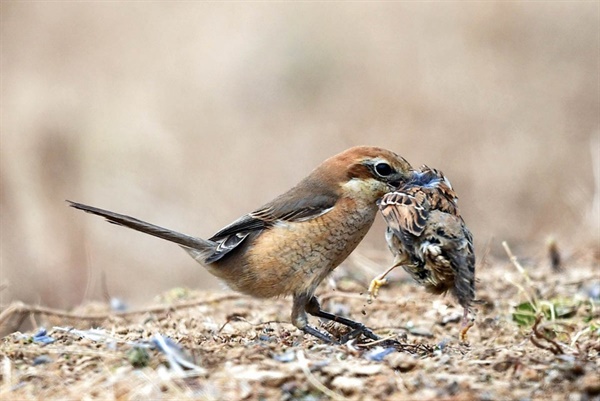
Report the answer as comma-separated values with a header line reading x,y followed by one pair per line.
x,y
289,245
429,238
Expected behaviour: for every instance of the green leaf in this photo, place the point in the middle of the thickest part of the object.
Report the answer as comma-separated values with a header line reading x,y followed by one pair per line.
x,y
524,314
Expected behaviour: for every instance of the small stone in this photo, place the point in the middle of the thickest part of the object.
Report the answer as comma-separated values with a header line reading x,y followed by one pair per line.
x,y
288,356
591,384
251,374
138,357
348,385
420,331
363,370
41,359
402,362
529,374
451,318
593,290
333,370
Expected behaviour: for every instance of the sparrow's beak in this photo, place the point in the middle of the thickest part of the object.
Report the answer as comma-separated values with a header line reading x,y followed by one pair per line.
x,y
398,179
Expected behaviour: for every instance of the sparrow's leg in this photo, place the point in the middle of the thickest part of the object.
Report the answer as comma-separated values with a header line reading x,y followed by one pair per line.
x,y
300,319
466,325
378,282
314,308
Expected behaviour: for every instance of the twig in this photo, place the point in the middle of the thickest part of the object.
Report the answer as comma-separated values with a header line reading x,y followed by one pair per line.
x,y
515,262
21,308
7,377
522,289
520,269
236,318
578,335
303,362
595,205
551,307
376,342
482,261
333,294
554,347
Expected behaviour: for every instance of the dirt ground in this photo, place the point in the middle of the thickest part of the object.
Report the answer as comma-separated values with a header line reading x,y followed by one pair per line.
x,y
536,337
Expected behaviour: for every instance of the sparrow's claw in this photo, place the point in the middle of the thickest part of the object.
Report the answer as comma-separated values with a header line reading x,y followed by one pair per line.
x,y
376,283
379,281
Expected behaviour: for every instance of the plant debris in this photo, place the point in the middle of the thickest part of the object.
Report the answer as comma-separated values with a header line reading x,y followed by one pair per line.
x,y
534,337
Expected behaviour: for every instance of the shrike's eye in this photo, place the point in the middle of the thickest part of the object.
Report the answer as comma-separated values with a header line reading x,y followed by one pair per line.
x,y
383,169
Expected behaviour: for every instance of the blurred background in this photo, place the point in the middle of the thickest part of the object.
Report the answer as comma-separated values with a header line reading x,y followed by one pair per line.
x,y
190,115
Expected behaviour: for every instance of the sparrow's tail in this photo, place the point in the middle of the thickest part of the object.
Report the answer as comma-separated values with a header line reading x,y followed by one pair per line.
x,y
201,246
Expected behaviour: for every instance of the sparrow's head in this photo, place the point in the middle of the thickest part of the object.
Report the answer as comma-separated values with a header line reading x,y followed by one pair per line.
x,y
368,172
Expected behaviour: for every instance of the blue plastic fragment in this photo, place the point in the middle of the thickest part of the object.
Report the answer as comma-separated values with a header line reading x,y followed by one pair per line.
x,y
378,354
42,337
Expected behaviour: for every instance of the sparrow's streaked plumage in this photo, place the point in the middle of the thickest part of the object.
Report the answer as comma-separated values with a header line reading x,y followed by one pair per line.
x,y
429,238
289,245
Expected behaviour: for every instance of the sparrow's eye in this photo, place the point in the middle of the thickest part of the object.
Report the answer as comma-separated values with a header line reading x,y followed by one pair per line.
x,y
383,169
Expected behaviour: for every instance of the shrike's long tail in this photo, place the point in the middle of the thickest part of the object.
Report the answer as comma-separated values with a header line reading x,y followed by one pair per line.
x,y
199,244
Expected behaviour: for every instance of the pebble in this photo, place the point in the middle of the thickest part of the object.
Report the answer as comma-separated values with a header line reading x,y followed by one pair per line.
x,y
347,385
402,362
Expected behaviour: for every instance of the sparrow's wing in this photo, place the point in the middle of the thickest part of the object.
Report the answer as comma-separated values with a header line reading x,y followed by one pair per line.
x,y
286,208
457,238
456,243
405,213
463,262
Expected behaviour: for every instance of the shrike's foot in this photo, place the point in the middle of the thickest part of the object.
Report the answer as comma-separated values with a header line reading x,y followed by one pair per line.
x,y
326,338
